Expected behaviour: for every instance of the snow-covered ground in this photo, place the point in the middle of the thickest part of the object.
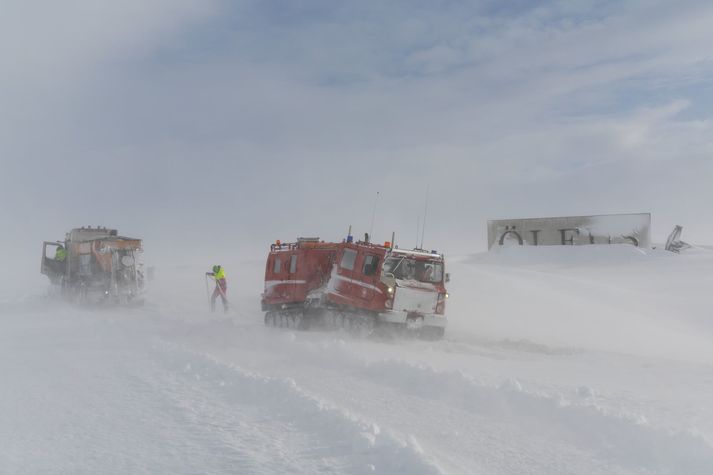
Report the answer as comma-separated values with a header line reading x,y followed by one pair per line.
x,y
557,360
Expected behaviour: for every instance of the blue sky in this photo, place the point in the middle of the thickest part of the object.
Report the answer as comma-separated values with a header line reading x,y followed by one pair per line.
x,y
260,119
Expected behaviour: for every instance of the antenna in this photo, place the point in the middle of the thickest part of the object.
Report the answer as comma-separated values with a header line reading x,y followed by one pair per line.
x,y
418,229
425,213
373,213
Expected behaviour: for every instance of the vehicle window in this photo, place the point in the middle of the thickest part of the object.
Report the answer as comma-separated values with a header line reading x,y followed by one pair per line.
x,y
437,272
51,250
400,267
85,264
277,265
390,264
429,271
411,269
371,264
293,264
407,269
348,259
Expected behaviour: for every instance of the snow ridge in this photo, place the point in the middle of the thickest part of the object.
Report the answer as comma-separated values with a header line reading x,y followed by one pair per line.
x,y
621,440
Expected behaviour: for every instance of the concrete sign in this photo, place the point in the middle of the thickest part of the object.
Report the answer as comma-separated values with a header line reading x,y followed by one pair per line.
x,y
632,229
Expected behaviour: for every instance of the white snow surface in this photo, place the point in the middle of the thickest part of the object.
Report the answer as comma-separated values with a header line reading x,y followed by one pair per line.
x,y
557,360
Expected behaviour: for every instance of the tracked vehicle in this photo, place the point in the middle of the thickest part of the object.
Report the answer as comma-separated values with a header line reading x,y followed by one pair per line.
x,y
358,286
95,265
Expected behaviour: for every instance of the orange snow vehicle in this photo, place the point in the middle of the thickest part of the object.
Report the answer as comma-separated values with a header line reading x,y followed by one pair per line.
x,y
358,286
95,265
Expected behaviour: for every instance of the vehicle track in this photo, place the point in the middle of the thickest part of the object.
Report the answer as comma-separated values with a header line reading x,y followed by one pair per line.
x,y
301,432
465,422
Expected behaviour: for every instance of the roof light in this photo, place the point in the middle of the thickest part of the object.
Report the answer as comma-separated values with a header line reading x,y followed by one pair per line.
x,y
387,244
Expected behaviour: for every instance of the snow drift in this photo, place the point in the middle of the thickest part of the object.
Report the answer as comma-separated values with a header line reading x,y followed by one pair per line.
x,y
557,360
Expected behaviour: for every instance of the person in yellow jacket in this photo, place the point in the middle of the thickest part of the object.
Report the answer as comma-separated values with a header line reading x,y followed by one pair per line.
x,y
60,255
221,287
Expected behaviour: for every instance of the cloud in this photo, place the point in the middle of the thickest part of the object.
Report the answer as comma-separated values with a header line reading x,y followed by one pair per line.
x,y
43,40
249,119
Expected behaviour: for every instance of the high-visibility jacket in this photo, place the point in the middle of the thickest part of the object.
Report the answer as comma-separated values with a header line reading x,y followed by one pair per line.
x,y
220,274
60,254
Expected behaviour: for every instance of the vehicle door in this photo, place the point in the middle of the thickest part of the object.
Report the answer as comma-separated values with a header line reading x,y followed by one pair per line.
x,y
276,287
49,266
296,287
346,265
368,278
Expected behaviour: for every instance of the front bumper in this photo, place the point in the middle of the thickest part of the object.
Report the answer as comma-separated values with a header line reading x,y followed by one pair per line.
x,y
429,319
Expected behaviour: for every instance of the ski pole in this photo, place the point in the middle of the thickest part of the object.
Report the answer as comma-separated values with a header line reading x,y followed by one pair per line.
x,y
207,291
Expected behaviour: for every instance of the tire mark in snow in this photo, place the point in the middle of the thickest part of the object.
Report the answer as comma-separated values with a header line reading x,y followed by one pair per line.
x,y
340,441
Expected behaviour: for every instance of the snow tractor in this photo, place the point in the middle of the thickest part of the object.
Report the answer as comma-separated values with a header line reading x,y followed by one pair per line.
x,y
357,286
95,265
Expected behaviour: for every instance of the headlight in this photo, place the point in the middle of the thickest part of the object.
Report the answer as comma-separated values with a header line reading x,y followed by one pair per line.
x,y
446,294
390,290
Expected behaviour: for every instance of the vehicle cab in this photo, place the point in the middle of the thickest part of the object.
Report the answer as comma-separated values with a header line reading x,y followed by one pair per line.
x,y
415,280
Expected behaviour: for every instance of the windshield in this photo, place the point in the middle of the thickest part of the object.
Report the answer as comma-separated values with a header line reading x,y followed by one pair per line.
x,y
405,268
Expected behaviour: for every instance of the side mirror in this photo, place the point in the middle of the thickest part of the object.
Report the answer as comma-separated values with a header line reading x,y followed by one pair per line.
x,y
448,277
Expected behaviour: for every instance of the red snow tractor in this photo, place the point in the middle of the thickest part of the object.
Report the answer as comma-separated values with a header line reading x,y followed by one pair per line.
x,y
358,286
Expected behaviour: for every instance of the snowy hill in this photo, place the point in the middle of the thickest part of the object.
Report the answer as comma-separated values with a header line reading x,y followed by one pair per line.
x,y
616,298
557,360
